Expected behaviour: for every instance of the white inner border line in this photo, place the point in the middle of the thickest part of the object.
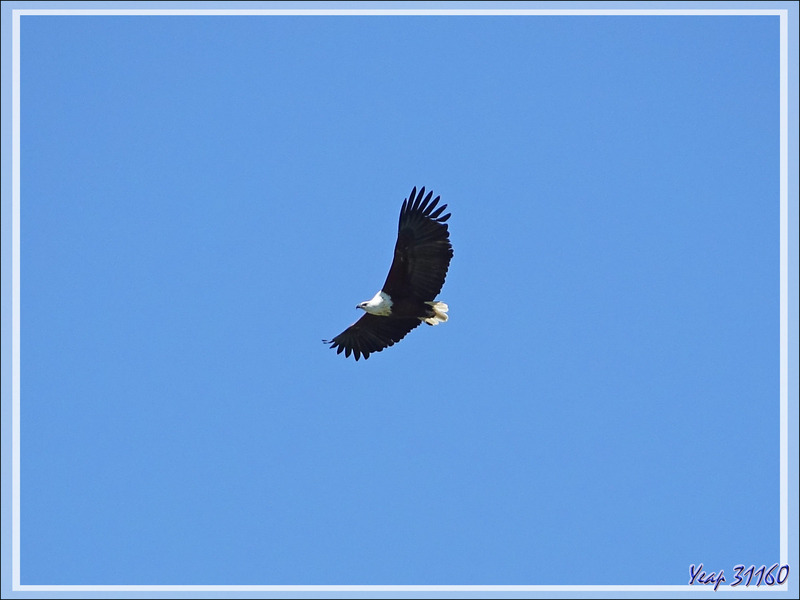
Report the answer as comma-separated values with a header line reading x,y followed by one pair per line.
x,y
389,12
784,289
15,304
15,294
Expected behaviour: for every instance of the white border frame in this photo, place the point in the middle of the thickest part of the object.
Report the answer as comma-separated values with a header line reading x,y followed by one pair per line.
x,y
784,299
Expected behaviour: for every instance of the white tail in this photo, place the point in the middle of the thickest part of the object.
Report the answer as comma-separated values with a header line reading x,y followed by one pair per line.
x,y
439,313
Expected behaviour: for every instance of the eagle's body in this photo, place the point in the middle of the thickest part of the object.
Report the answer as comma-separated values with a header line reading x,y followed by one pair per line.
x,y
421,258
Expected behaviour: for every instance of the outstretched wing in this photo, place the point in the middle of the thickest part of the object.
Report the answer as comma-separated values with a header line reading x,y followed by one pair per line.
x,y
371,334
423,251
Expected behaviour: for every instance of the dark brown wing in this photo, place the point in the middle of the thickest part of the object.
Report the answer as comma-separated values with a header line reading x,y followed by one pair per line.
x,y
423,251
371,334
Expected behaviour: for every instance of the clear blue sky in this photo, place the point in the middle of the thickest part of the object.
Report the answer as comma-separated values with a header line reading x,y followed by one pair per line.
x,y
205,199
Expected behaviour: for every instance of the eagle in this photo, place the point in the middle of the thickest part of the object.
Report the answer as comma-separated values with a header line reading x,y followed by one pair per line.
x,y
408,297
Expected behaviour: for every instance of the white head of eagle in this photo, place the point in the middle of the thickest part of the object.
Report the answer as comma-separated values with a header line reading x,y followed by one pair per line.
x,y
422,256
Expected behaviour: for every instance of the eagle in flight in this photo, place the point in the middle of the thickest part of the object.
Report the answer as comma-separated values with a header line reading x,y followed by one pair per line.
x,y
421,258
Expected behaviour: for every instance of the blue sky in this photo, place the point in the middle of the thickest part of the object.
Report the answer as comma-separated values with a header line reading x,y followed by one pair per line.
x,y
205,199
